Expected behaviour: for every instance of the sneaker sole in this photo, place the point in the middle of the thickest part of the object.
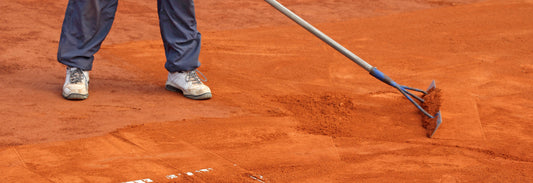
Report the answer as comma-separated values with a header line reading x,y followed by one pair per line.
x,y
195,97
76,96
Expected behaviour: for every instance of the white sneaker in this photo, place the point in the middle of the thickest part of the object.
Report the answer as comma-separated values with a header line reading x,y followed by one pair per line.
x,y
76,85
188,83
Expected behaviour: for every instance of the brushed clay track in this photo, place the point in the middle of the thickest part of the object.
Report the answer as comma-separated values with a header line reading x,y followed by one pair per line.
x,y
286,107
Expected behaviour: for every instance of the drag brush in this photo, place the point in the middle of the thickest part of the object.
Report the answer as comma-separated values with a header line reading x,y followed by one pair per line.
x,y
428,104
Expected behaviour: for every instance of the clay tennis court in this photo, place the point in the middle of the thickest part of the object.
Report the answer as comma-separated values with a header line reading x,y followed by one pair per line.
x,y
286,107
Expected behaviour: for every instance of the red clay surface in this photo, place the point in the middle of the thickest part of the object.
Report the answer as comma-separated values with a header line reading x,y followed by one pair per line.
x,y
286,107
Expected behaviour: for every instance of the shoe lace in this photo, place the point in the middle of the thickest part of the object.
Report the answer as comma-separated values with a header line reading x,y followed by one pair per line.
x,y
76,76
193,76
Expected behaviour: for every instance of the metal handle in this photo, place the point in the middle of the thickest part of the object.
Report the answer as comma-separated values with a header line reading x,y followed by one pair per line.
x,y
320,35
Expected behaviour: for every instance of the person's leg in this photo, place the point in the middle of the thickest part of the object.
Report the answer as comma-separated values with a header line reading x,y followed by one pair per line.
x,y
181,39
86,24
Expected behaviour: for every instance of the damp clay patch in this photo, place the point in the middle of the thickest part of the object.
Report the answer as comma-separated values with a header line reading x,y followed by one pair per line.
x,y
432,103
327,114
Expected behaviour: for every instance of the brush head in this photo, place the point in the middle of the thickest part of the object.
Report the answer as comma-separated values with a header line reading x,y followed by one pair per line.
x,y
432,103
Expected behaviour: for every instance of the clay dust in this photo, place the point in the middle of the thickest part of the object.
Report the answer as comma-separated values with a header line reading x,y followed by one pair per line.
x,y
328,114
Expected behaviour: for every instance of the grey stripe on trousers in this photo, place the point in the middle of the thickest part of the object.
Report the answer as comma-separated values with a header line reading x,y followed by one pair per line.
x,y
87,23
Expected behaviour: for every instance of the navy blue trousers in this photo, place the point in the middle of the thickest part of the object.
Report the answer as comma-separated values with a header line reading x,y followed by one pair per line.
x,y
87,23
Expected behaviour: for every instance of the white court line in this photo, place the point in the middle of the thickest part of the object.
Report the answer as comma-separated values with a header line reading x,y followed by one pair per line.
x,y
171,176
175,176
140,181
